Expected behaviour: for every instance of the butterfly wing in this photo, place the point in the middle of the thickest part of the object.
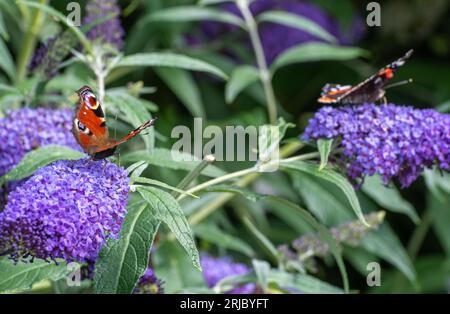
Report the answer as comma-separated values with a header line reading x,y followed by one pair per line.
x,y
331,93
89,126
109,148
371,90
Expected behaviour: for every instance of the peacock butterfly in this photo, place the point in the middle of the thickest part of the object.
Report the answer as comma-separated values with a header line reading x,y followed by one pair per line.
x,y
90,130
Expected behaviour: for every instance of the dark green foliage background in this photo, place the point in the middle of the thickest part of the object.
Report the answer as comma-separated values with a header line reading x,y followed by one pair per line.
x,y
419,24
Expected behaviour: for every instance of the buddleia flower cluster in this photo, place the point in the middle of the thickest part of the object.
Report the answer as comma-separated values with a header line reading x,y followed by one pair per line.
x,y
277,38
26,129
149,284
216,269
66,210
49,55
393,141
110,31
305,248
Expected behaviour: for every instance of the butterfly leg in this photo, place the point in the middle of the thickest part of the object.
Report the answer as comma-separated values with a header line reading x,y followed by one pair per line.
x,y
384,101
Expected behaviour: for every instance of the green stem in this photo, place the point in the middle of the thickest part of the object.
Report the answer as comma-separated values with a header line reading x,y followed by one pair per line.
x,y
218,180
223,198
264,73
191,176
29,43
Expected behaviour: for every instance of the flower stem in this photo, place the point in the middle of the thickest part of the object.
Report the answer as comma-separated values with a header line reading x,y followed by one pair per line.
x,y
264,73
99,70
250,175
209,159
29,43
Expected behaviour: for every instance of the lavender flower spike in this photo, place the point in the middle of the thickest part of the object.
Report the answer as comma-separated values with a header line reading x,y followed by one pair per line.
x,y
306,247
110,31
393,141
216,269
65,210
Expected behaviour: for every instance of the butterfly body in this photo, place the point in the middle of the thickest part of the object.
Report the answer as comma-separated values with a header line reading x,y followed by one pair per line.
x,y
371,90
90,130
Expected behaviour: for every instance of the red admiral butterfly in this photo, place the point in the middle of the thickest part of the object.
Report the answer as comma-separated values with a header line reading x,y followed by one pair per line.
x,y
89,126
371,90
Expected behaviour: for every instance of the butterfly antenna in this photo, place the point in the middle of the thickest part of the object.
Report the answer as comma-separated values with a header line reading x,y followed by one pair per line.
x,y
399,83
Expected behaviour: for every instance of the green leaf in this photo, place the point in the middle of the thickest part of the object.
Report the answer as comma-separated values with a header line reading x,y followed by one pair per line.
x,y
131,110
324,146
167,209
262,271
171,60
304,283
388,197
192,14
311,52
261,239
185,88
269,139
62,18
320,200
251,196
209,2
240,79
135,170
333,177
284,280
214,235
297,21
323,232
6,61
172,159
162,185
172,265
384,243
38,158
21,276
3,31
122,262
440,212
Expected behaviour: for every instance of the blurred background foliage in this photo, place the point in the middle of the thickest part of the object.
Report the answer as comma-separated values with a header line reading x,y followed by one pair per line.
x,y
413,244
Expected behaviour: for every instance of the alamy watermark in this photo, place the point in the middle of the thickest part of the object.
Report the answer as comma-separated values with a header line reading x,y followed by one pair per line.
x,y
373,278
74,14
374,16
231,143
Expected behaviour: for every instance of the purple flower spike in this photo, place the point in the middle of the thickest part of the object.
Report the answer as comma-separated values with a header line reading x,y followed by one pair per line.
x,y
65,210
393,141
149,284
26,129
216,269
109,31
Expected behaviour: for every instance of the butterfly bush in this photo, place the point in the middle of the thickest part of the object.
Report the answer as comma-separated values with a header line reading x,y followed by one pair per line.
x,y
393,141
65,210
23,130
216,269
277,38
110,31
149,284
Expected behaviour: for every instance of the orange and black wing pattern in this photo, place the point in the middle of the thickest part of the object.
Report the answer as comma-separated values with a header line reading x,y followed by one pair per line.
x,y
90,130
371,90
